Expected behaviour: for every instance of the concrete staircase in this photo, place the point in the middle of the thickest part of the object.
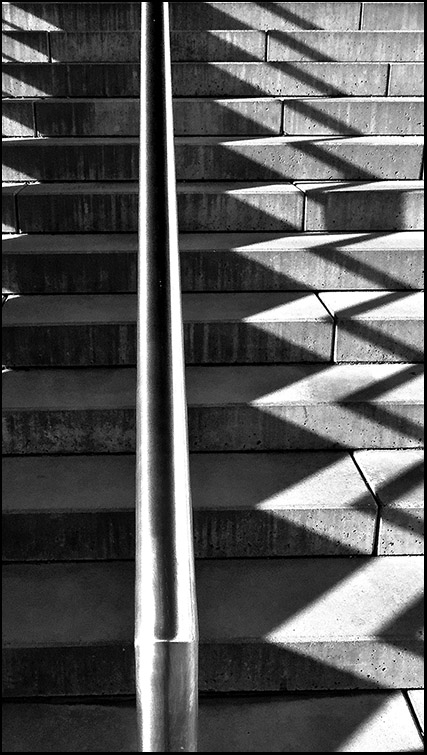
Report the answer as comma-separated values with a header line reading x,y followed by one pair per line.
x,y
300,163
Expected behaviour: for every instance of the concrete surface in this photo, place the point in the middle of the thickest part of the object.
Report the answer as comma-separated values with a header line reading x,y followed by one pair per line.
x,y
25,47
218,329
406,79
364,206
397,480
393,16
17,118
385,326
279,79
351,46
72,16
71,80
375,722
106,263
290,504
355,115
266,625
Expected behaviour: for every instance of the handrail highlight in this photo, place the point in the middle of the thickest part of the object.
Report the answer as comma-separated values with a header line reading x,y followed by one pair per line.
x,y
166,635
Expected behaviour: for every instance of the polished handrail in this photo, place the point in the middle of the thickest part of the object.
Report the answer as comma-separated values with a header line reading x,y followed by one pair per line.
x,y
166,638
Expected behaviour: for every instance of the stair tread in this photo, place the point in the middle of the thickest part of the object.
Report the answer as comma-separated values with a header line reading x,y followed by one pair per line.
x,y
374,306
212,242
292,481
241,307
396,477
357,722
51,390
282,601
416,697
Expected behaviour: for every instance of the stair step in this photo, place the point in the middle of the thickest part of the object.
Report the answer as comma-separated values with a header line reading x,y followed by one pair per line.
x,y
222,207
261,408
384,326
283,158
78,331
265,625
349,46
106,263
397,480
381,205
220,46
245,506
213,79
102,207
230,16
382,116
340,722
106,16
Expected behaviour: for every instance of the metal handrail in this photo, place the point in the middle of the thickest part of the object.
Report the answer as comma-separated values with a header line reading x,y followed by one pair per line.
x,y
166,636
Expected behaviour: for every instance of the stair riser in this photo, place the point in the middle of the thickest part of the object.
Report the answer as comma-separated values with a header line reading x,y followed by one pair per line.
x,y
278,160
237,667
205,343
369,210
116,212
204,271
216,79
286,16
235,428
219,117
217,534
232,46
379,341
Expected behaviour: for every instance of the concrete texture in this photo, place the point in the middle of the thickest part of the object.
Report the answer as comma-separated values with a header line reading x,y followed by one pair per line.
x,y
100,263
230,409
355,46
279,79
248,117
397,480
124,47
8,212
267,505
416,697
289,158
17,118
102,207
218,329
357,115
106,263
364,206
72,16
214,207
71,80
79,208
120,117
25,47
346,722
406,79
300,407
393,16
90,411
265,625
287,16
385,326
